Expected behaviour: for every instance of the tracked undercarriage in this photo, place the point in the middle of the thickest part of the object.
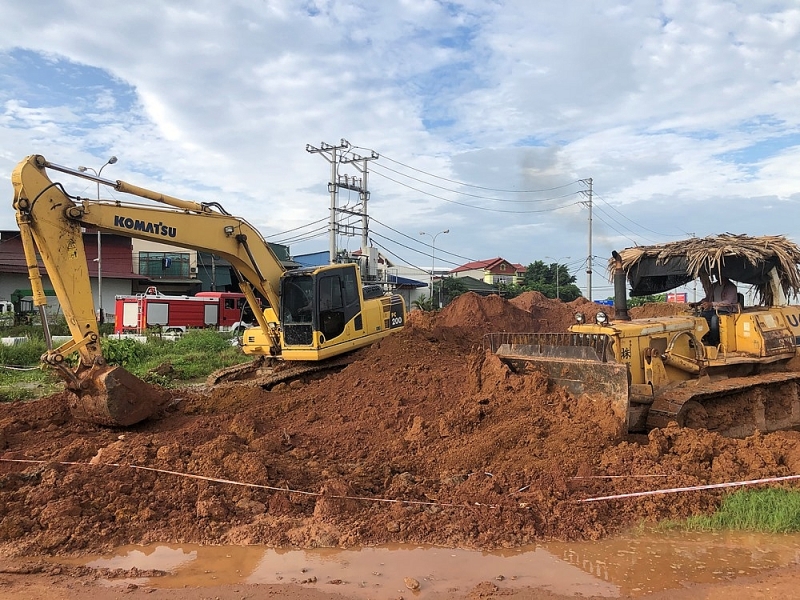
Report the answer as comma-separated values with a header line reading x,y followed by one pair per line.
x,y
267,372
767,399
734,406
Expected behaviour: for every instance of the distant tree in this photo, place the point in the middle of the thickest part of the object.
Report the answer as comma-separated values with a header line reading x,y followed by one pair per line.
x,y
510,290
553,280
451,288
640,300
423,303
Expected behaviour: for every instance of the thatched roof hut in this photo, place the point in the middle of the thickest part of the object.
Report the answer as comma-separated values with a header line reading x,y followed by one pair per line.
x,y
740,258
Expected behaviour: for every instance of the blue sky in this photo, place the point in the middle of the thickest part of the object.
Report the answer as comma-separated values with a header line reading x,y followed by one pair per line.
x,y
489,116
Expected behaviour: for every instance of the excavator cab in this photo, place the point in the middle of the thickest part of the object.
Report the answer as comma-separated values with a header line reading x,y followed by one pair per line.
x,y
326,311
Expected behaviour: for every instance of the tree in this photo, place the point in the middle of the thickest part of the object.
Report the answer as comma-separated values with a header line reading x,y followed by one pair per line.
x,y
423,303
634,301
509,290
553,280
451,287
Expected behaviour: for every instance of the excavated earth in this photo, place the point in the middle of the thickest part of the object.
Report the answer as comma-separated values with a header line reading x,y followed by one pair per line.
x,y
425,438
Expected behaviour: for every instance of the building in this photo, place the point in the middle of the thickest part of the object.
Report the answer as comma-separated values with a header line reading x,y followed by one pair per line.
x,y
493,271
117,275
128,266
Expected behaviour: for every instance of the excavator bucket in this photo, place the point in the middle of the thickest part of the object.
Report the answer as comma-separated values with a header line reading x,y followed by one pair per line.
x,y
112,396
580,363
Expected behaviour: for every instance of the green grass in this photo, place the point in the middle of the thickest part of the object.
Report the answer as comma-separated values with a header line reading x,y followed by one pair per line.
x,y
193,357
765,510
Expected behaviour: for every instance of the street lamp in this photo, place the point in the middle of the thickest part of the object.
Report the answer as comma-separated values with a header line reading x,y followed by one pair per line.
x,y
557,270
100,319
433,262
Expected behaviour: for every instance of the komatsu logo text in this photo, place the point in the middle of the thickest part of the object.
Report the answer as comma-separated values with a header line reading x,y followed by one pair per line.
x,y
145,226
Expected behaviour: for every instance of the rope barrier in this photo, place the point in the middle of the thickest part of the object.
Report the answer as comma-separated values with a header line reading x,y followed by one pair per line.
x,y
695,488
252,485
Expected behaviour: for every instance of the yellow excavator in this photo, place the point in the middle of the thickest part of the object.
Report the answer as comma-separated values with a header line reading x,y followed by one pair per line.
x,y
733,372
314,317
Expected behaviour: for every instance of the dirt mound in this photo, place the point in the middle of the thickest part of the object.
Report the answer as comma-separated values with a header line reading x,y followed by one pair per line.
x,y
424,438
659,309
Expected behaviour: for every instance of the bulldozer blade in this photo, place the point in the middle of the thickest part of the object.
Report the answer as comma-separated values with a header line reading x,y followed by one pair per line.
x,y
114,397
577,370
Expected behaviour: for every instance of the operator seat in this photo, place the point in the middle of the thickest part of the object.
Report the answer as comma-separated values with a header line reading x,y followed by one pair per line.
x,y
713,326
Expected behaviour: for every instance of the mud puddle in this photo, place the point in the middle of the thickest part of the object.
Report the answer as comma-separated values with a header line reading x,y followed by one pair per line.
x,y
626,566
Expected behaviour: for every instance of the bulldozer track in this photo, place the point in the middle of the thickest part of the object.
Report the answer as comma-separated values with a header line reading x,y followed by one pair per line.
x,y
761,404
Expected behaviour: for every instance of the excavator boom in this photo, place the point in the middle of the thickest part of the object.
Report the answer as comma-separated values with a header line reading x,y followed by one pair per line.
x,y
341,317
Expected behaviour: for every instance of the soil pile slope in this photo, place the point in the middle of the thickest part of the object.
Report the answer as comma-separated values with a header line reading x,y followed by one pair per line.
x,y
424,438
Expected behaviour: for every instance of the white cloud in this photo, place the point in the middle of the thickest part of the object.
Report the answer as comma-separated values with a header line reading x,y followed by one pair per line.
x,y
676,110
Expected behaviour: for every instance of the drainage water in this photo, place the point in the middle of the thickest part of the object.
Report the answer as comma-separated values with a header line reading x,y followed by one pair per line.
x,y
624,566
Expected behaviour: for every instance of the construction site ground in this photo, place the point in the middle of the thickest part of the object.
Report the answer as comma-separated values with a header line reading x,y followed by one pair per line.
x,y
423,439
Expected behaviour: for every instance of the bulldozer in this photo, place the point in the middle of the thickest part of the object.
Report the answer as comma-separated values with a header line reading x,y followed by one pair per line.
x,y
736,373
309,318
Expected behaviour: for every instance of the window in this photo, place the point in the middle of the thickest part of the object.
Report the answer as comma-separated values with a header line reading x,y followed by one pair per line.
x,y
164,264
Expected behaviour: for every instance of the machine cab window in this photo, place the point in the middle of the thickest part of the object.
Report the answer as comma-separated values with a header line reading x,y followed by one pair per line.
x,y
331,306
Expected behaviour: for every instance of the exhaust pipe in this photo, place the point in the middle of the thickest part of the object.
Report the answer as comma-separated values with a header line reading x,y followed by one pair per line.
x,y
620,290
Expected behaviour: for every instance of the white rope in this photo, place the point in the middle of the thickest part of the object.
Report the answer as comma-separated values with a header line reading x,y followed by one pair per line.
x,y
694,488
710,486
252,485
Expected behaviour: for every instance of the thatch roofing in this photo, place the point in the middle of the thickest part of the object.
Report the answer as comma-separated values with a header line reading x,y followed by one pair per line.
x,y
740,258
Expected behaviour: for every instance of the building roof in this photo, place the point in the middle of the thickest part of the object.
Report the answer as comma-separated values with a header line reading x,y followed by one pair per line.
x,y
478,286
406,282
486,265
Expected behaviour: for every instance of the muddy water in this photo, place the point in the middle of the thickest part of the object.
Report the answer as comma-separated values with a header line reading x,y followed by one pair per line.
x,y
625,566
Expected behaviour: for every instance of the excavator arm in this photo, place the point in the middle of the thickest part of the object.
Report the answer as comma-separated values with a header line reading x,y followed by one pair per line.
x,y
51,222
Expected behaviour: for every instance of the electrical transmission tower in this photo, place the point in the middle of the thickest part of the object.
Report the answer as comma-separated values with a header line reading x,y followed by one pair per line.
x,y
337,155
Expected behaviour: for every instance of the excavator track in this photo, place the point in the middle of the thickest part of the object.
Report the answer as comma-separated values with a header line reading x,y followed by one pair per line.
x,y
733,407
268,372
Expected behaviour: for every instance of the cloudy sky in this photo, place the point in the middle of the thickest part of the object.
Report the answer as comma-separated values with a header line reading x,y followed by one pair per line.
x,y
490,118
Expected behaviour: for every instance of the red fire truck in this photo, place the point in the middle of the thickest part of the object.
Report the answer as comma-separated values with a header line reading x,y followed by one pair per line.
x,y
225,311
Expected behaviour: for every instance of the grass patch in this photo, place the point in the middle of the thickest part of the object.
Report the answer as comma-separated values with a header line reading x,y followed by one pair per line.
x,y
192,357
767,510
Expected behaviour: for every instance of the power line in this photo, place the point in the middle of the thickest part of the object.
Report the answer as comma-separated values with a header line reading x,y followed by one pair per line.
x,y
419,241
601,211
478,187
517,212
410,248
399,258
300,227
473,195
314,233
612,207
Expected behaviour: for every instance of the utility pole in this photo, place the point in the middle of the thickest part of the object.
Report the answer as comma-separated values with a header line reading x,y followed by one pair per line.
x,y
331,154
363,193
97,172
588,194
